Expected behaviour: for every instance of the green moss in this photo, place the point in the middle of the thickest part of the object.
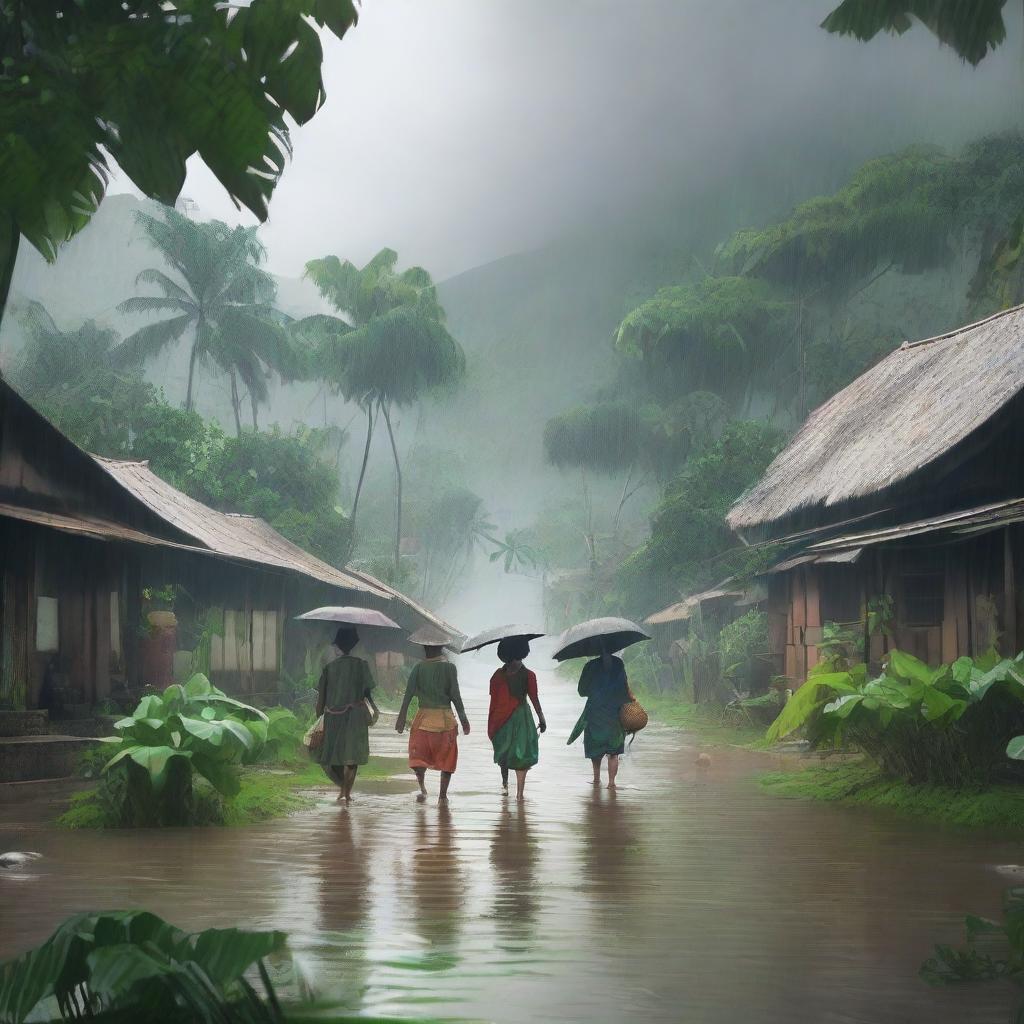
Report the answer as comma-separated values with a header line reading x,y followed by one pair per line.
x,y
266,793
861,783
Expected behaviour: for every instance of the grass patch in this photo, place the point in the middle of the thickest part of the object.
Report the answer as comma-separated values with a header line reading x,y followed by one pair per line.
x,y
861,783
266,792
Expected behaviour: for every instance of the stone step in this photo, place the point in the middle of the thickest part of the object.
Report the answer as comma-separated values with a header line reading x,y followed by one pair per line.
x,y
30,758
24,723
103,725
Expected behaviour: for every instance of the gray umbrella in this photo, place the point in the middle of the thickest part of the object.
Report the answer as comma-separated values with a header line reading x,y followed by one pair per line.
x,y
349,615
596,636
499,633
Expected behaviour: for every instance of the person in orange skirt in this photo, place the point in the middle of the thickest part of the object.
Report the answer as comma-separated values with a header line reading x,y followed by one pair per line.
x,y
434,739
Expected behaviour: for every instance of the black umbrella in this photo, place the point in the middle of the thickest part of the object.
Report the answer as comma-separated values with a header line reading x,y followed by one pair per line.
x,y
499,633
350,616
596,636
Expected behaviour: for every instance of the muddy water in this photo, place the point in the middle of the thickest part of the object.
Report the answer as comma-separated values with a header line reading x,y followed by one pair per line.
x,y
687,896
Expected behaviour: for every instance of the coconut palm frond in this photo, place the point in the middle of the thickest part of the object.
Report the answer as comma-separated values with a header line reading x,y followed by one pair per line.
x,y
156,304
149,341
169,287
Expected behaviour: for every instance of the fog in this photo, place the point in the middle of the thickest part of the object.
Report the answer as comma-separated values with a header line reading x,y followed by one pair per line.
x,y
551,165
458,132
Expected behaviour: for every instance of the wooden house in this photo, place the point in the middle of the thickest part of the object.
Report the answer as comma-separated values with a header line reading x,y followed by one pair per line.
x,y
84,541
903,496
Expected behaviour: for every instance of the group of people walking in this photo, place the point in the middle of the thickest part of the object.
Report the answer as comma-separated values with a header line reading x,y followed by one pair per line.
x,y
345,700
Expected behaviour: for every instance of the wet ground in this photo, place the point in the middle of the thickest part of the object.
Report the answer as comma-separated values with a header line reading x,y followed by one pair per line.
x,y
686,896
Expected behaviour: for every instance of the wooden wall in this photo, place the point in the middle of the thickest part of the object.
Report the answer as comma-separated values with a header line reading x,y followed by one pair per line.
x,y
978,577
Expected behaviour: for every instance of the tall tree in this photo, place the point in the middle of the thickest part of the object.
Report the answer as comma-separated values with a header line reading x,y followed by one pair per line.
x,y
78,378
223,298
148,84
392,348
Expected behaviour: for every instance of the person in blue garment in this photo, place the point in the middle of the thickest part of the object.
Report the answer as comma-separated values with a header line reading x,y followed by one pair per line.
x,y
603,682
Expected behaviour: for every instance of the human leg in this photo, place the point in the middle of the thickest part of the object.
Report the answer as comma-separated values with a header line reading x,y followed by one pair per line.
x,y
521,782
351,771
596,762
446,778
504,778
613,769
421,774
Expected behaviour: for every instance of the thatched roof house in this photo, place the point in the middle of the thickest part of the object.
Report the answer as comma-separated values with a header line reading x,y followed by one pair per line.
x,y
908,423
903,493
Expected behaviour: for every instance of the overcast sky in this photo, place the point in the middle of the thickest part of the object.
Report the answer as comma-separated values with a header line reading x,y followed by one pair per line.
x,y
458,131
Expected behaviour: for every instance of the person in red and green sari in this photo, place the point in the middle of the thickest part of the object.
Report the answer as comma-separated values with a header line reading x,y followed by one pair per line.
x,y
510,724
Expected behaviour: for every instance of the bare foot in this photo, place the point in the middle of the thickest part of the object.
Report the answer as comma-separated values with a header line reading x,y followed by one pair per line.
x,y
348,800
341,798
421,798
611,785
520,799
442,800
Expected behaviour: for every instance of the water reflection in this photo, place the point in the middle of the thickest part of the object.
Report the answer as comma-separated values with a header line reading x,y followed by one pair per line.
x,y
610,851
438,882
514,856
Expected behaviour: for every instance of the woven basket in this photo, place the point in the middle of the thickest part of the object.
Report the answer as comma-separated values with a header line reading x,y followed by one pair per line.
x,y
632,716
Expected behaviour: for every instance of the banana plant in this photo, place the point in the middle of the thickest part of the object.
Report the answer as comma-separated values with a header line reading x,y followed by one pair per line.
x,y
950,725
96,964
190,727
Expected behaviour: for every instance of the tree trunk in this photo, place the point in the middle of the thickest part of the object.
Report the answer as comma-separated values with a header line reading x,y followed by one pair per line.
x,y
235,404
192,356
398,489
10,237
255,413
359,483
622,501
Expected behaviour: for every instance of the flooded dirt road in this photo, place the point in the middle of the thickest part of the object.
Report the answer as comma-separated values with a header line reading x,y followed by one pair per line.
x,y
687,896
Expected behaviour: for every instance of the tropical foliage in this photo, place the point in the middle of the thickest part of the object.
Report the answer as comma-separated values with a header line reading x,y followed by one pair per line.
x,y
949,725
202,79
711,336
133,965
690,543
391,349
191,728
222,298
972,29
78,378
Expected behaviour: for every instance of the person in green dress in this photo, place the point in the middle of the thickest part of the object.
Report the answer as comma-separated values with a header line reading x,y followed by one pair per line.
x,y
345,699
433,739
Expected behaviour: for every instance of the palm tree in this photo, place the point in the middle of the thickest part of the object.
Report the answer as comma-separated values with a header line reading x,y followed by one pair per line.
x,y
391,348
224,298
78,378
54,358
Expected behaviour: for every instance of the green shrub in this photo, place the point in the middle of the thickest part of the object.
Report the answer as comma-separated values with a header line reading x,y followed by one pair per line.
x,y
190,729
743,651
947,726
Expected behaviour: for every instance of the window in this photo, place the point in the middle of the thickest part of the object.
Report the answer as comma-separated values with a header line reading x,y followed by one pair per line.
x,y
249,643
264,641
924,598
47,625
